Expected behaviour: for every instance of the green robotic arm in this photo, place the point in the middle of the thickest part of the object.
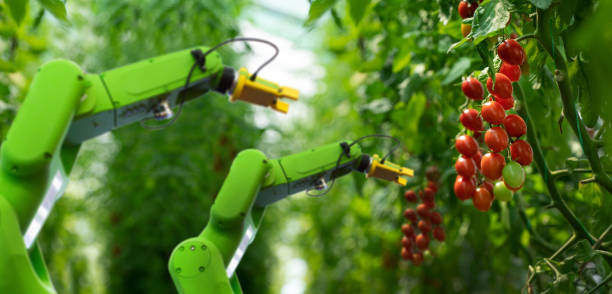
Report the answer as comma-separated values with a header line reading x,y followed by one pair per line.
x,y
206,264
65,107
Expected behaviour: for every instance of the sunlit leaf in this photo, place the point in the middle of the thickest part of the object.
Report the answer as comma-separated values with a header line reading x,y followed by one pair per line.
x,y
17,8
318,8
489,19
358,9
56,7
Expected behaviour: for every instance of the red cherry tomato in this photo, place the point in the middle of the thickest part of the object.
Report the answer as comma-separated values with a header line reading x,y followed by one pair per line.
x,y
422,241
406,253
435,218
515,125
488,186
471,120
410,196
465,187
513,72
466,9
438,233
511,52
423,211
433,186
472,88
493,112
466,145
406,242
482,199
502,88
521,152
410,214
417,258
492,165
408,230
496,139
465,166
477,158
513,36
424,226
430,204
429,194
507,103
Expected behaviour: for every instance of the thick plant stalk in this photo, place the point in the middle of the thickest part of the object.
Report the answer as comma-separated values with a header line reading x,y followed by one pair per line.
x,y
538,156
589,146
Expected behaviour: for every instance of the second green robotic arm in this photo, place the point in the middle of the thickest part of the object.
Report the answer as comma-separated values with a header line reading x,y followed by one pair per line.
x,y
206,263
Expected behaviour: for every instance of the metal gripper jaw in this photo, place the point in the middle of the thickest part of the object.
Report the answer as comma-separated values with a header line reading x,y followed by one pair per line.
x,y
388,171
262,92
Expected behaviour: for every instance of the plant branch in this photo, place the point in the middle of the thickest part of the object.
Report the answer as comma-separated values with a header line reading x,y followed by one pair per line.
x,y
603,283
602,237
545,35
571,241
527,36
589,180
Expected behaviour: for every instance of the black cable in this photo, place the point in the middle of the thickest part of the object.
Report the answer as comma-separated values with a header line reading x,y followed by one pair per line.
x,y
200,60
248,39
395,147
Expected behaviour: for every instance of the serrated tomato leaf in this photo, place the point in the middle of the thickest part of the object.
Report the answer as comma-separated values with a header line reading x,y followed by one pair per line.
x,y
488,20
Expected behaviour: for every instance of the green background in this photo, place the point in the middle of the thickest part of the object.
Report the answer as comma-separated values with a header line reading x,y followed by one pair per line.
x,y
385,67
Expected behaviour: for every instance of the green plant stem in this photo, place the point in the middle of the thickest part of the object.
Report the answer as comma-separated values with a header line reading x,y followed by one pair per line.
x,y
540,161
571,241
603,283
527,36
545,35
602,237
566,172
604,253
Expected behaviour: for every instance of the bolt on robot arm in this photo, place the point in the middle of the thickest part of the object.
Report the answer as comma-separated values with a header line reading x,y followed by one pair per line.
x,y
64,107
206,264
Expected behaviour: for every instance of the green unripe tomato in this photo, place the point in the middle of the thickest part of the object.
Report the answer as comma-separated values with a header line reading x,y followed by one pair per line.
x,y
501,192
514,175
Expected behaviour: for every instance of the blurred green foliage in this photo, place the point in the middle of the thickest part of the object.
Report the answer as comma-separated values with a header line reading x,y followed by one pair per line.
x,y
391,67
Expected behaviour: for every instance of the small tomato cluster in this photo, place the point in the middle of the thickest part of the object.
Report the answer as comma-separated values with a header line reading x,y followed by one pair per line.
x,y
499,179
422,221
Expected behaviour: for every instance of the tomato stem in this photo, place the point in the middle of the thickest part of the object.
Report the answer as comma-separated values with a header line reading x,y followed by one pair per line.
x,y
545,35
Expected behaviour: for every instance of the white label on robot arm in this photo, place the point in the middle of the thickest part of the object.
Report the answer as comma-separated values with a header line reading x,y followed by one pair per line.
x,y
56,189
247,238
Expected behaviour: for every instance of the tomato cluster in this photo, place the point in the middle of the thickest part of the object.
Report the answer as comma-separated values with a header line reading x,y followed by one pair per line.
x,y
483,176
423,222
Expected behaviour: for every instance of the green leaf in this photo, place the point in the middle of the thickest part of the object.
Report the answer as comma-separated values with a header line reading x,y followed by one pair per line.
x,y
18,9
56,7
357,8
318,8
542,4
6,66
401,60
455,45
412,114
457,70
488,20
